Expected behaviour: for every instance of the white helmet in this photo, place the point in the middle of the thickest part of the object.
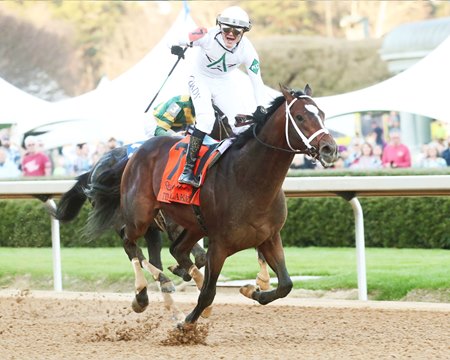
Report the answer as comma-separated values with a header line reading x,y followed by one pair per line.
x,y
236,17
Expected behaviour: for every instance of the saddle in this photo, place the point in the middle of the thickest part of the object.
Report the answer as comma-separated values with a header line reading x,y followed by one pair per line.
x,y
172,191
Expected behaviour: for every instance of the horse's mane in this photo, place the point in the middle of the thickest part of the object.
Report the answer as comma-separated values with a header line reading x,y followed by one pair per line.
x,y
243,137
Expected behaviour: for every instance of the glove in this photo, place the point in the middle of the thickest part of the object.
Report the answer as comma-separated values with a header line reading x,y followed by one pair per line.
x,y
178,51
260,114
197,34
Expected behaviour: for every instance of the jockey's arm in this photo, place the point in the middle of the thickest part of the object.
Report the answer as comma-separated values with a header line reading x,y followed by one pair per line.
x,y
254,73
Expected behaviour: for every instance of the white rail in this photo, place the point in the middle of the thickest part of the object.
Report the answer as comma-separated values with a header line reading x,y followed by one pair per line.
x,y
347,187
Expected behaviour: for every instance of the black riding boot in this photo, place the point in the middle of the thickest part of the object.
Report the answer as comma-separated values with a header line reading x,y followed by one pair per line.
x,y
195,143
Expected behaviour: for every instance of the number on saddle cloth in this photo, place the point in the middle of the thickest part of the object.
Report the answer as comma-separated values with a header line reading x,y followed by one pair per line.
x,y
170,189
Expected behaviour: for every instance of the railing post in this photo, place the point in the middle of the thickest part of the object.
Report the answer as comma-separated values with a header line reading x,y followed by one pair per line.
x,y
56,249
350,196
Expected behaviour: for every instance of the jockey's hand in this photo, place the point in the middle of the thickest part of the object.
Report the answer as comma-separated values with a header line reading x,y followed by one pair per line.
x,y
197,34
259,114
178,51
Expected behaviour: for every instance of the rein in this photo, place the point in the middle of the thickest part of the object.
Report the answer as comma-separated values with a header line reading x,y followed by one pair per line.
x,y
310,149
223,128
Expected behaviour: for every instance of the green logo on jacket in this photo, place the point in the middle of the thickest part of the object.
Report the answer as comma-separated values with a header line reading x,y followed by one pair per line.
x,y
254,66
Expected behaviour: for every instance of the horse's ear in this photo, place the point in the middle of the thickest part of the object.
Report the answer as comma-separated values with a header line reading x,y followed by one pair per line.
x,y
287,93
308,90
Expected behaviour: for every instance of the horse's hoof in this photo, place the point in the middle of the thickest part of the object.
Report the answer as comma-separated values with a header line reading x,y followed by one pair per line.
x,y
167,287
140,301
247,290
184,326
178,316
137,308
176,270
207,312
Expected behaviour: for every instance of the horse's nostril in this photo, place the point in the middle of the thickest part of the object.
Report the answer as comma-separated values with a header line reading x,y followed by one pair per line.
x,y
327,150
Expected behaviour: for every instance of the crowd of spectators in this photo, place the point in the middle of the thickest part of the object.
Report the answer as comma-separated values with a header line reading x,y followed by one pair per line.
x,y
32,159
373,152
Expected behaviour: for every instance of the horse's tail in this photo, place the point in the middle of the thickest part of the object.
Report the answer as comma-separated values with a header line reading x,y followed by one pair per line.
x,y
72,201
104,193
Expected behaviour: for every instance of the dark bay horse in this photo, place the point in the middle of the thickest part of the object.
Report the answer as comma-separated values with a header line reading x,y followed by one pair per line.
x,y
101,187
242,201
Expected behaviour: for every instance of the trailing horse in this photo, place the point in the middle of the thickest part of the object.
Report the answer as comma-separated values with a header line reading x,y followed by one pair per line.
x,y
241,200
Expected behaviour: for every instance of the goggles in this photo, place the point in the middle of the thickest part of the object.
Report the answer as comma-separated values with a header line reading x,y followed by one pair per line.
x,y
227,29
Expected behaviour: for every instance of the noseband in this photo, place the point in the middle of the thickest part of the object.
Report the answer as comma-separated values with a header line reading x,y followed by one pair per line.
x,y
310,149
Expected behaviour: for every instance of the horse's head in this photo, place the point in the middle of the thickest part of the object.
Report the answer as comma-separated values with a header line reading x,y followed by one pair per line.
x,y
304,128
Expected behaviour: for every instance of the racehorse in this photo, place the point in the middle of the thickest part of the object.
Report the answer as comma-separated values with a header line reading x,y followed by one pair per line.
x,y
101,186
241,200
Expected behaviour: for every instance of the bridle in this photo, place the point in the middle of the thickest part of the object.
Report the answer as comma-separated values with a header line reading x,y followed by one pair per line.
x,y
310,149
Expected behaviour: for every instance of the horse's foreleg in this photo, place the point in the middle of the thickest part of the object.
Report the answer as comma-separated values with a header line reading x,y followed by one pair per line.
x,y
167,288
215,260
199,255
165,283
263,277
272,250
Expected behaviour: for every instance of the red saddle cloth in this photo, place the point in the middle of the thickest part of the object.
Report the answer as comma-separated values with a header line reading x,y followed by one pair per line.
x,y
171,190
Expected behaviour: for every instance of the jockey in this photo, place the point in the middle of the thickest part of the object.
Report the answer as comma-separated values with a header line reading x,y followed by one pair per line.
x,y
223,49
176,113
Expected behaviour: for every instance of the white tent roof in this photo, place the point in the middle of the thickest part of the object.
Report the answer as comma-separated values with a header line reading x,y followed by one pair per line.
x,y
422,89
17,105
116,108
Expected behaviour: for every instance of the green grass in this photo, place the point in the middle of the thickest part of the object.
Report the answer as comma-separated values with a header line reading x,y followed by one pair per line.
x,y
391,273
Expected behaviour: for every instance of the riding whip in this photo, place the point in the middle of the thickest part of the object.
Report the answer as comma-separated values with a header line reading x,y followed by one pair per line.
x,y
170,72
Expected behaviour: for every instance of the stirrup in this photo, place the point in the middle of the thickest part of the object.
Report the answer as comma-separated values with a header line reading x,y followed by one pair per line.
x,y
193,181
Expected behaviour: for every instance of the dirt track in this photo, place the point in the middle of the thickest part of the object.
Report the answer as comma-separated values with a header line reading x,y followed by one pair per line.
x,y
40,325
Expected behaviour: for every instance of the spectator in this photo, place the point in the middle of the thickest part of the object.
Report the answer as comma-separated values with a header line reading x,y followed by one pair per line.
x,y
432,158
12,151
446,152
35,162
396,154
112,143
59,163
8,169
353,152
378,131
367,160
82,161
100,150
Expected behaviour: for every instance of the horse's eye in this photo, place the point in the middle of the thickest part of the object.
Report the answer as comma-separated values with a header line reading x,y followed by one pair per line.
x,y
298,118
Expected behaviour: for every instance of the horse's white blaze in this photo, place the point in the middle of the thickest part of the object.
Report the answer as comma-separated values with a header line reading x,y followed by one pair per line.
x,y
312,109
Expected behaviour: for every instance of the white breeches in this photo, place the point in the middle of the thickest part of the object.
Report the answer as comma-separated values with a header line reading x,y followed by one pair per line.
x,y
223,91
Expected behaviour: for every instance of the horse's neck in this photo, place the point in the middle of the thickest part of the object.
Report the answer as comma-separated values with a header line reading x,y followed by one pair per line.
x,y
264,164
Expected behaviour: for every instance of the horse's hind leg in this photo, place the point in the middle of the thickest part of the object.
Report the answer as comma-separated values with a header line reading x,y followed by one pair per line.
x,y
272,250
129,236
263,277
175,232
154,246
